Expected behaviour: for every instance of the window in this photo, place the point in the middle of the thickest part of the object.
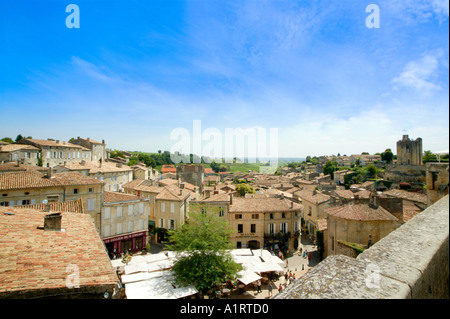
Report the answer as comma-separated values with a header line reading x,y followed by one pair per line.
x,y
60,155
238,216
283,215
240,228
107,212
107,231
48,154
271,229
119,211
163,207
271,216
238,245
130,227
91,204
172,207
284,227
220,211
130,210
4,203
91,190
119,228
161,223
171,224
255,216
332,243
310,211
141,224
253,228
75,190
141,208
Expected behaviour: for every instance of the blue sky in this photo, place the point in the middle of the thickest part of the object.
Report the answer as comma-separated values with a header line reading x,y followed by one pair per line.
x,y
136,70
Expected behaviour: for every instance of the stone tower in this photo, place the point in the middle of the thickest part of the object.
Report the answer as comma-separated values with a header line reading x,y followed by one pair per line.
x,y
409,151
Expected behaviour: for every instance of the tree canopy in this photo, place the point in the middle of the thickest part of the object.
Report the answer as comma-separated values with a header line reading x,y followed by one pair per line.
x,y
203,243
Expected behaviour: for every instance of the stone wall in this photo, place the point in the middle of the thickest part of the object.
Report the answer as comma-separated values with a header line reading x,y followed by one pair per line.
x,y
412,262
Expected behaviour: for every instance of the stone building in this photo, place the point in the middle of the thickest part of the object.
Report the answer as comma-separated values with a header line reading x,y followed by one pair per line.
x,y
409,151
19,153
53,254
264,222
114,175
169,205
31,187
315,204
98,150
354,225
437,181
193,174
124,222
57,153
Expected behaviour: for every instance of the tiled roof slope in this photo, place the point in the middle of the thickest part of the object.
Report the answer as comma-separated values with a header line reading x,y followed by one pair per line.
x,y
34,261
25,180
361,212
263,205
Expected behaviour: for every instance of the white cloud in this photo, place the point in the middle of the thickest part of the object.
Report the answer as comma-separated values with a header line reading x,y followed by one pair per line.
x,y
419,75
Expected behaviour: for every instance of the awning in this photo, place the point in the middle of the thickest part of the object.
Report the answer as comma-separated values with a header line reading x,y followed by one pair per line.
x,y
247,276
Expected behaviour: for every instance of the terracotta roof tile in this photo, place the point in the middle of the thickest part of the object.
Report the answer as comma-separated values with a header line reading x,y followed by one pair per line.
x,y
35,260
361,212
263,205
112,197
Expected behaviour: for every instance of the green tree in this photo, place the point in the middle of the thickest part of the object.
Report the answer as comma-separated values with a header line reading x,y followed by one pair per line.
x,y
7,140
428,156
116,153
243,189
202,244
387,155
330,167
371,170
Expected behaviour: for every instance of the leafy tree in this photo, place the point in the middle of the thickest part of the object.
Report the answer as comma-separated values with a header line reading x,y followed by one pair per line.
x,y
243,189
116,153
19,137
7,140
203,243
330,167
387,155
428,156
371,170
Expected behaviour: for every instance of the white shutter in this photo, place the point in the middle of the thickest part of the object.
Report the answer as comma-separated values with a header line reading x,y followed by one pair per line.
x,y
119,228
130,210
119,211
33,201
141,208
107,231
91,204
172,207
163,207
130,227
107,212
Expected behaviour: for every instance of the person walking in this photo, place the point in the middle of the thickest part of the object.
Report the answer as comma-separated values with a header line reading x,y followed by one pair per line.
x,y
280,288
259,287
270,288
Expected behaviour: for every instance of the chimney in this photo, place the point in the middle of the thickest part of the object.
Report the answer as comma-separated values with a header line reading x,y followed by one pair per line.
x,y
282,196
292,204
231,199
52,222
103,141
49,173
182,185
57,141
181,192
88,139
83,162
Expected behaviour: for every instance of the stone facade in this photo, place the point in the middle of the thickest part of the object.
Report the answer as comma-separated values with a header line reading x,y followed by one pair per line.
x,y
124,222
437,181
19,153
193,174
98,150
409,151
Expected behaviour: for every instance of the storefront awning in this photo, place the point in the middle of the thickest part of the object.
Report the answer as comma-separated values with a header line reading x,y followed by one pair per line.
x,y
247,276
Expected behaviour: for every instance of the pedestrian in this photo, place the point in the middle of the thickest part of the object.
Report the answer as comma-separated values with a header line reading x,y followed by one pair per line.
x,y
287,263
270,288
280,288
259,287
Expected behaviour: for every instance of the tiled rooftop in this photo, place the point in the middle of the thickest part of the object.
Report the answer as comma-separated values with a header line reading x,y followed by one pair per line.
x,y
263,205
25,180
35,261
362,212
